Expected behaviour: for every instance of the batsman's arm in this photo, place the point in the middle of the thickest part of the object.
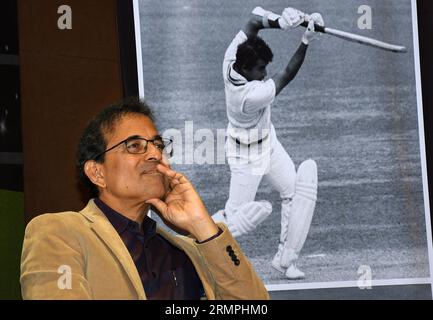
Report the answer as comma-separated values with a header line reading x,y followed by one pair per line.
x,y
261,19
253,26
286,75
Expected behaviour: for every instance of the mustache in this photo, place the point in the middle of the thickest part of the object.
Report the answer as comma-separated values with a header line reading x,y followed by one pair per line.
x,y
149,167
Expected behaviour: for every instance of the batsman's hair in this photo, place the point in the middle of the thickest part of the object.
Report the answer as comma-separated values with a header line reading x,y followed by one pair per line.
x,y
250,51
92,142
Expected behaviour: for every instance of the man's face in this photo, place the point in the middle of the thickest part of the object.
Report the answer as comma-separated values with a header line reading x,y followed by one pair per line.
x,y
258,72
132,176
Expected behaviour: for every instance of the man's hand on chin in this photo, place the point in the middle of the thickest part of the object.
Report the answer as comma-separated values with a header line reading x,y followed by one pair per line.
x,y
183,207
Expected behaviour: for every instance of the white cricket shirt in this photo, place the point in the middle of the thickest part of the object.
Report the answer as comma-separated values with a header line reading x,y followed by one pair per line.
x,y
248,102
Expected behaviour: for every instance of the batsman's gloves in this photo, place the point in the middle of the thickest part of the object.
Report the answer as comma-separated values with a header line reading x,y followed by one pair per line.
x,y
310,34
291,18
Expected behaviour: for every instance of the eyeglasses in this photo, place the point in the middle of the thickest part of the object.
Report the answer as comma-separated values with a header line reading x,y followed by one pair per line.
x,y
138,145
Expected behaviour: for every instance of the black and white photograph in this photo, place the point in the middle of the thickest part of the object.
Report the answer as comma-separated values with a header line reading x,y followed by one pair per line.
x,y
300,124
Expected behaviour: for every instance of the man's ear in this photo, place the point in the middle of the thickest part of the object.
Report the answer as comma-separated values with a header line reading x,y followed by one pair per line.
x,y
95,173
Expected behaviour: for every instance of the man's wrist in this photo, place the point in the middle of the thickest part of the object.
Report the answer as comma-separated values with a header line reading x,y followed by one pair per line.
x,y
204,230
220,231
265,22
270,20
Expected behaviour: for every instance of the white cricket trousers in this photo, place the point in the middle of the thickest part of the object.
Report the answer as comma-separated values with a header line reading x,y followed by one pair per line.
x,y
275,166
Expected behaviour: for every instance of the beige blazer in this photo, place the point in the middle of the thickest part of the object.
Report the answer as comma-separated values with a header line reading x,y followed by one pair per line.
x,y
79,255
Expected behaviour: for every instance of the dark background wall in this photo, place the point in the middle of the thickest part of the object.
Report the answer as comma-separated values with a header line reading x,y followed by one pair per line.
x,y
11,157
51,86
67,76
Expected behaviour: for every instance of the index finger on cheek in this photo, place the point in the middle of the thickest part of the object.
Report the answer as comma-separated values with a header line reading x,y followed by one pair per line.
x,y
166,171
165,162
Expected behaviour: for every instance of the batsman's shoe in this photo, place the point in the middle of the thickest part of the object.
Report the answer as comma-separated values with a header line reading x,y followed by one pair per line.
x,y
293,273
246,218
288,256
276,261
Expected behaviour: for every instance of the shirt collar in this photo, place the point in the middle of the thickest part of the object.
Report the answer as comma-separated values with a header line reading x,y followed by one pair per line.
x,y
120,222
235,77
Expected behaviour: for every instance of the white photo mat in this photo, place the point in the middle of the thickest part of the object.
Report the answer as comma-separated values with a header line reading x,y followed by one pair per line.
x,y
174,102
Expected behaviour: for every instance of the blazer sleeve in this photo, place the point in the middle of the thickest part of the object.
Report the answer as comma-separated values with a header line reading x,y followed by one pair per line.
x,y
231,270
52,262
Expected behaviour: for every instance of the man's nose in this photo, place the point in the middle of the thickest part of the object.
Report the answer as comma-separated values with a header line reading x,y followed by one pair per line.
x,y
153,153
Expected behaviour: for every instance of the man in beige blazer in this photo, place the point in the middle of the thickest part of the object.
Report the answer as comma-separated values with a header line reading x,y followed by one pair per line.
x,y
111,249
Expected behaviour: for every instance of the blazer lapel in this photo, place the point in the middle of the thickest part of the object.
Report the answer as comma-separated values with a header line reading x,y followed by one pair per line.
x,y
106,232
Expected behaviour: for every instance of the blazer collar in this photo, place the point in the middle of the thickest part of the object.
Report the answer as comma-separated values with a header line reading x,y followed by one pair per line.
x,y
106,232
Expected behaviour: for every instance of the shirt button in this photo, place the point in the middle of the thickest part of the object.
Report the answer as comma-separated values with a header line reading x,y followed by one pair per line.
x,y
237,262
229,248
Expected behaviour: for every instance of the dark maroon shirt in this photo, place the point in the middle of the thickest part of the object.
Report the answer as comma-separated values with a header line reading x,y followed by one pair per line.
x,y
165,271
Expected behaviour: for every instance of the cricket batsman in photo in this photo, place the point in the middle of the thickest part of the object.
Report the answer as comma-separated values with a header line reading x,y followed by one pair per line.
x,y
249,97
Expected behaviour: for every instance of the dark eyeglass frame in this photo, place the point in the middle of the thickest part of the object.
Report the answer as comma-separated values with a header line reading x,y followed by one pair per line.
x,y
166,142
